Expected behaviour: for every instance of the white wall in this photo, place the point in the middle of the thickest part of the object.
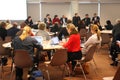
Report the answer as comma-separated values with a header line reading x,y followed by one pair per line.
x,y
89,8
55,8
110,12
33,10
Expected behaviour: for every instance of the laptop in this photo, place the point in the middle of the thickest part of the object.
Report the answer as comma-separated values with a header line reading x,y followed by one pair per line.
x,y
54,40
39,39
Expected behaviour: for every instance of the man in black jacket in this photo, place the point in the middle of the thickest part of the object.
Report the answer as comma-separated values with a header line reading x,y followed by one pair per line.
x,y
114,45
75,19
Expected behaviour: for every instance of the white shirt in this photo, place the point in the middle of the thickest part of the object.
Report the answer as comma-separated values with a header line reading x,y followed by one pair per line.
x,y
92,40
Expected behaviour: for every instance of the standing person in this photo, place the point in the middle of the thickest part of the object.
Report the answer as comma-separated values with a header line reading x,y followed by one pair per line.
x,y
87,20
114,47
63,20
24,41
29,21
3,31
73,45
95,18
48,21
75,19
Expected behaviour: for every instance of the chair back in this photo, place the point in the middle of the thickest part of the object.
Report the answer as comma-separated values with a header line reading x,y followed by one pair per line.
x,y
117,74
8,39
22,59
90,53
105,38
83,32
59,57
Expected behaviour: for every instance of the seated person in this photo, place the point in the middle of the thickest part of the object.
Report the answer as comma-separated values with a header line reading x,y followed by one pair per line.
x,y
24,41
29,21
22,25
63,32
93,39
45,36
56,28
108,25
42,31
13,30
99,25
72,45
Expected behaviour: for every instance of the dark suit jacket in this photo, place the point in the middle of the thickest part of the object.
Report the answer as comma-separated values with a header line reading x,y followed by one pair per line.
x,y
96,20
29,23
75,20
48,24
12,31
87,21
61,20
63,32
116,31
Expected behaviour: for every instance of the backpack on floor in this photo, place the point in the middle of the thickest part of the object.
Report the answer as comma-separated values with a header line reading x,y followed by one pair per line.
x,y
35,74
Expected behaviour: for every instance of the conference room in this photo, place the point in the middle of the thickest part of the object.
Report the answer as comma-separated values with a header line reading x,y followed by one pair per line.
x,y
58,17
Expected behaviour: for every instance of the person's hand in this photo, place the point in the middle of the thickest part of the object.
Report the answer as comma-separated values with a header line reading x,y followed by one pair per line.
x,y
61,43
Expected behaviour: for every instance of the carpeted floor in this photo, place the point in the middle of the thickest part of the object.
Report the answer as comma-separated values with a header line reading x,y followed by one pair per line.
x,y
103,69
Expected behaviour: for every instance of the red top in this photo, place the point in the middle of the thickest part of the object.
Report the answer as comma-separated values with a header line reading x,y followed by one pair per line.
x,y
73,44
56,20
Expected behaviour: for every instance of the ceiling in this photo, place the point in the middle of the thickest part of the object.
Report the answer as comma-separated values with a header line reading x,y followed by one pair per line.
x,y
87,1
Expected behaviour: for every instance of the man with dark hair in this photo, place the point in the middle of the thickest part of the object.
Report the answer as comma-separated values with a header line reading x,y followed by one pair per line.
x,y
96,18
29,21
87,20
75,19
48,21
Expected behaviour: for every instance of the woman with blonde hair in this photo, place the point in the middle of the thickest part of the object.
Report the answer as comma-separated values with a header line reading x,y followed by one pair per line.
x,y
93,39
24,41
73,45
